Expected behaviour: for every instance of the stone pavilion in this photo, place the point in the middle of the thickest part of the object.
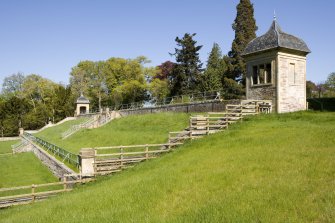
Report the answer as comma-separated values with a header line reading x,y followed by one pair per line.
x,y
276,70
82,105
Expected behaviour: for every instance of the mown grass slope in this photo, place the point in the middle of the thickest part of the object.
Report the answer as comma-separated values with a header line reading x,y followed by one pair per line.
x,y
55,133
274,168
131,130
5,146
23,169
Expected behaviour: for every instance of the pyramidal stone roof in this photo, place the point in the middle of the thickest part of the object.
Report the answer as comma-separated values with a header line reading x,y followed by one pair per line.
x,y
82,100
275,38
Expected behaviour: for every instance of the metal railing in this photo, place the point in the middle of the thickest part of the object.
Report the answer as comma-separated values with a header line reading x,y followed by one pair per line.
x,y
56,150
19,144
180,99
73,129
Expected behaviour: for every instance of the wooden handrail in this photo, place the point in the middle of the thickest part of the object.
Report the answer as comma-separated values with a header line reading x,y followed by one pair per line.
x,y
136,146
179,132
45,185
133,153
34,194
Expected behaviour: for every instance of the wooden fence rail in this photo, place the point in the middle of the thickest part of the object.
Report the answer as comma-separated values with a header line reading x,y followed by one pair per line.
x,y
137,146
107,160
34,195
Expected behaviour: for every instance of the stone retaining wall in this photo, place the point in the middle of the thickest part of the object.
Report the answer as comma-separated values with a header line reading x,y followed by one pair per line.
x,y
57,168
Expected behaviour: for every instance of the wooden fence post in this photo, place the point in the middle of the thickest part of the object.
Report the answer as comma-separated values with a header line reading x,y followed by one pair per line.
x,y
227,122
207,127
169,138
190,123
146,152
64,183
33,193
95,167
121,157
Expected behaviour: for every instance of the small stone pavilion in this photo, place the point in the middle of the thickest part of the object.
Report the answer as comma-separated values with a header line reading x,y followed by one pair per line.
x,y
276,70
82,105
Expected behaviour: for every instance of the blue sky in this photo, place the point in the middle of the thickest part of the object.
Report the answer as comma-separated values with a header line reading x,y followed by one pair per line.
x,y
49,37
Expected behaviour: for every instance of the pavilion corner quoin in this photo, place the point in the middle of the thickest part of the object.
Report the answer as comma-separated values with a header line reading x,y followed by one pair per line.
x,y
276,70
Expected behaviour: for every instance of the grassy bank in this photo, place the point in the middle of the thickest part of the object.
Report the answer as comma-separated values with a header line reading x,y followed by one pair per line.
x,y
55,133
274,168
5,146
23,169
140,129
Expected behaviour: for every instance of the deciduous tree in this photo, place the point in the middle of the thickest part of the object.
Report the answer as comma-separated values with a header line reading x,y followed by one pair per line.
x,y
330,82
125,79
311,89
165,70
12,85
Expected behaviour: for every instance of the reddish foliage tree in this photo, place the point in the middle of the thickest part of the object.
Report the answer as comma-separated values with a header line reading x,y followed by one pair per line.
x,y
165,70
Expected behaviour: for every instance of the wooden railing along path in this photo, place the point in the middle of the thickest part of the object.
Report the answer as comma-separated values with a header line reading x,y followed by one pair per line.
x,y
115,158
112,159
213,122
23,197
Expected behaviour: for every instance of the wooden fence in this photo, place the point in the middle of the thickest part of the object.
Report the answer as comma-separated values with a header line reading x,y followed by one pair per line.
x,y
35,195
115,158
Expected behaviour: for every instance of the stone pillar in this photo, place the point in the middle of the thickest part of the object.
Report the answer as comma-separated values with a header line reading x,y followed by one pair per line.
x,y
21,130
87,157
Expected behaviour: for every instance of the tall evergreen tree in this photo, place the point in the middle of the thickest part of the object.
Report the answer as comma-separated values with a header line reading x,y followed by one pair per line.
x,y
187,72
214,73
245,30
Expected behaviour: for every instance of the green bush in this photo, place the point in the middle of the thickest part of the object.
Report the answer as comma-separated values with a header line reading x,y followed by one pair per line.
x,y
321,104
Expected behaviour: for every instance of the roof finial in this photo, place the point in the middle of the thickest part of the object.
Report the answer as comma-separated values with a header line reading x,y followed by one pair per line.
x,y
274,15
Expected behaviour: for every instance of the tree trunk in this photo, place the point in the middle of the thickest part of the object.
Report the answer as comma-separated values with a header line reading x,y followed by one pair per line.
x,y
99,95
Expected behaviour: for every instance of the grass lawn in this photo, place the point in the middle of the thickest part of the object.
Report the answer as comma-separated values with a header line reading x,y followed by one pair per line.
x,y
55,133
5,146
272,168
23,169
131,130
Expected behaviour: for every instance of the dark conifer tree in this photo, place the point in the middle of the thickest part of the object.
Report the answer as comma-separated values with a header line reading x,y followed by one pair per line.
x,y
245,30
187,72
216,68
